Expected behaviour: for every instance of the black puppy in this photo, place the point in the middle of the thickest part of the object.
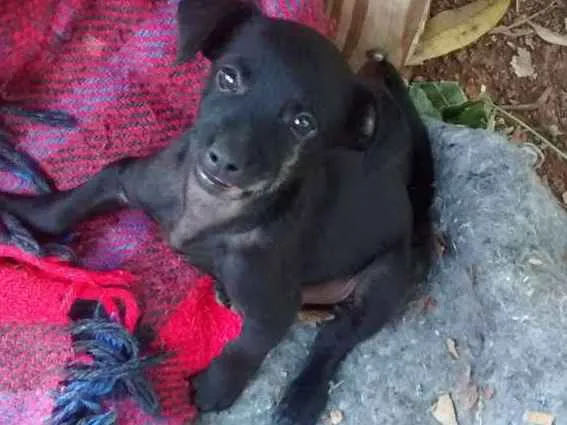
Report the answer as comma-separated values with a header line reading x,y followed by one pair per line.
x,y
295,173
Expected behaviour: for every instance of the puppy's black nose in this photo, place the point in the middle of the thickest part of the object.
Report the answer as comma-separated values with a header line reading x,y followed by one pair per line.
x,y
216,160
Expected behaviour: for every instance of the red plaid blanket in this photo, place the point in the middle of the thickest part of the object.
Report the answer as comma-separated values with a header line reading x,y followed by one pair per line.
x,y
110,63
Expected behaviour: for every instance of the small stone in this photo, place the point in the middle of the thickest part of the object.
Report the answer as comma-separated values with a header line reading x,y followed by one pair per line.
x,y
452,348
444,410
522,63
539,418
335,417
564,198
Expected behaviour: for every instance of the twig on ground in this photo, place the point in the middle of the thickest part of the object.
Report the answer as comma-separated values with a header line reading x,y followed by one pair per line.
x,y
530,106
518,33
524,20
521,107
534,132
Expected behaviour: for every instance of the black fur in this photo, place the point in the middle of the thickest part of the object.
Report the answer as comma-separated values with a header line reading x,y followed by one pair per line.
x,y
296,171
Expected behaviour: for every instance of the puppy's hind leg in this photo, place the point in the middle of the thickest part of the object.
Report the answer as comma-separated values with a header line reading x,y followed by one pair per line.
x,y
382,287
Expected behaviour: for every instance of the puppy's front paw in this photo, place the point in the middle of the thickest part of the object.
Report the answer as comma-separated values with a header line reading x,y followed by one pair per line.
x,y
302,404
218,387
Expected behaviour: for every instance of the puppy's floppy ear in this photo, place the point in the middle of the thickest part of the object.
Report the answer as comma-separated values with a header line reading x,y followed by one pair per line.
x,y
207,25
381,109
362,121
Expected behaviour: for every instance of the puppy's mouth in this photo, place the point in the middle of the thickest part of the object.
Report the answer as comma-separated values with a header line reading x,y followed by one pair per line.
x,y
208,179
210,182
217,186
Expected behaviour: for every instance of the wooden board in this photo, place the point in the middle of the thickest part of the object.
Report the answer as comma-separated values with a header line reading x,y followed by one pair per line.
x,y
393,26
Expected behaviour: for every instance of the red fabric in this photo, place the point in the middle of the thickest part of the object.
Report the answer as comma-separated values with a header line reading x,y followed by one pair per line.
x,y
110,63
41,291
36,297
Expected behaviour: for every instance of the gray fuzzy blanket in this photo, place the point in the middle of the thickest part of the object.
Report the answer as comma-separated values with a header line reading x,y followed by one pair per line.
x,y
497,296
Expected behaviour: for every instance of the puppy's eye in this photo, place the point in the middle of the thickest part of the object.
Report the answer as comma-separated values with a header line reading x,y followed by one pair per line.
x,y
303,125
228,80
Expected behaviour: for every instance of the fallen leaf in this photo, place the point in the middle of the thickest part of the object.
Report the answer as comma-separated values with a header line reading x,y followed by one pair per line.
x,y
444,410
548,35
454,29
335,417
314,317
564,197
539,418
452,348
488,392
522,63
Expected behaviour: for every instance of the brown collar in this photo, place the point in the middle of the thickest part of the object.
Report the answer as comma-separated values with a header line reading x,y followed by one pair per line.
x,y
328,293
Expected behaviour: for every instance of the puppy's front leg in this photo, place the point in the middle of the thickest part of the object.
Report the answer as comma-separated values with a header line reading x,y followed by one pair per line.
x,y
269,308
153,184
55,213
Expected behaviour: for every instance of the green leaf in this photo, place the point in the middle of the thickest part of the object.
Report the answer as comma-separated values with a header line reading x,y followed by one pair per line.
x,y
422,103
474,114
447,101
443,93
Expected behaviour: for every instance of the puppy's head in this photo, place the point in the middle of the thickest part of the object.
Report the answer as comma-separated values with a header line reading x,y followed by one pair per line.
x,y
279,95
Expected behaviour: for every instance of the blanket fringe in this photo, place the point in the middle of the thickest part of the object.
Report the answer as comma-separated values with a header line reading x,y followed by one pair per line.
x,y
114,369
112,365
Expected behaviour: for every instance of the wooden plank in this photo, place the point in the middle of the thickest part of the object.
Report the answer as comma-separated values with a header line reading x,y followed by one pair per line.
x,y
391,26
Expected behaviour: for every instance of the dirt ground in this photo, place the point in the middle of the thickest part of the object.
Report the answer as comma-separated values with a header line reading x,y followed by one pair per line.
x,y
540,100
